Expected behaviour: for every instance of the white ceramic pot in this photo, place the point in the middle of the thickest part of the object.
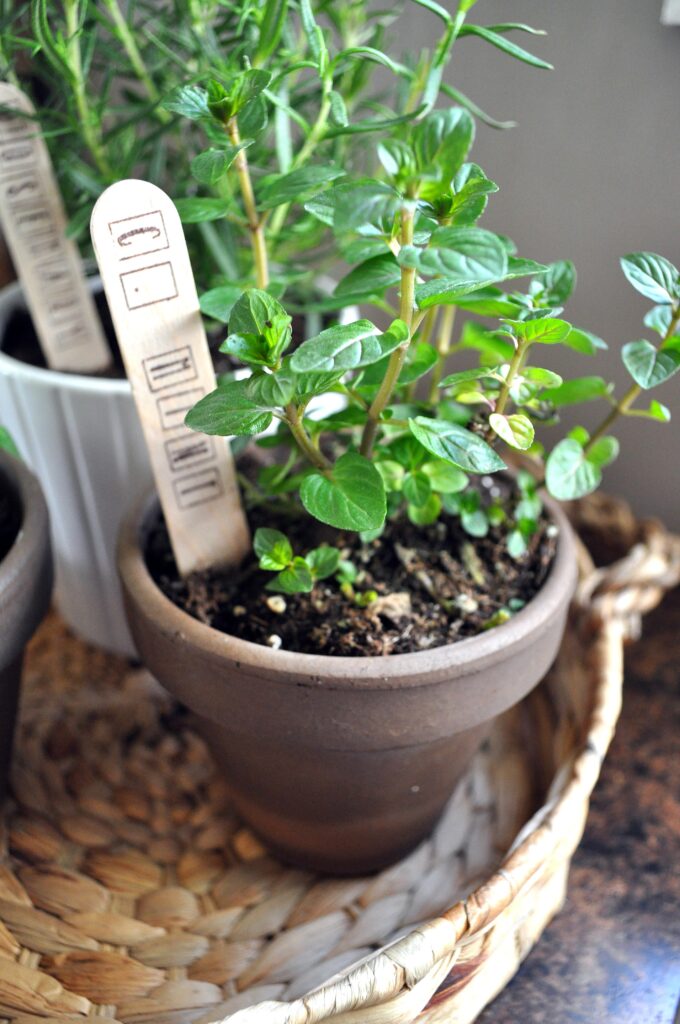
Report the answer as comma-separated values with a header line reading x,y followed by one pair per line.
x,y
81,437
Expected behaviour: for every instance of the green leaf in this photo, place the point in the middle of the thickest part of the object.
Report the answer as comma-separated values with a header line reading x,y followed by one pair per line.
x,y
228,411
649,366
253,311
198,209
445,478
372,203
603,451
188,100
271,390
272,548
467,258
488,302
323,561
568,473
558,282
543,378
659,319
466,376
441,142
518,267
296,579
581,389
516,430
219,302
652,275
440,11
371,277
392,474
271,27
546,331
7,443
420,359
348,346
655,411
584,341
424,515
350,497
456,445
476,522
518,52
417,488
516,544
339,114
296,186
211,165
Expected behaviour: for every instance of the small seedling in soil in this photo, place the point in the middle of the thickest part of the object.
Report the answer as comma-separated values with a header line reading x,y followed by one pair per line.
x,y
408,480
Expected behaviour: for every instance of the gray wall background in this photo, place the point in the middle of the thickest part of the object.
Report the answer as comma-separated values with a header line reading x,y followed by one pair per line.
x,y
591,172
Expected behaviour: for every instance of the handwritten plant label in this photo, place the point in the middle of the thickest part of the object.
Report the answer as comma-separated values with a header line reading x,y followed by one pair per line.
x,y
47,262
149,285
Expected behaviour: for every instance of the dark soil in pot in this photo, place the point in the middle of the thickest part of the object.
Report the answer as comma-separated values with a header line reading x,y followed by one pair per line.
x,y
433,586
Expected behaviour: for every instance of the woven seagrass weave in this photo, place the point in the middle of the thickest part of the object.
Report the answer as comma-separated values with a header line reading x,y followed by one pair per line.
x,y
130,891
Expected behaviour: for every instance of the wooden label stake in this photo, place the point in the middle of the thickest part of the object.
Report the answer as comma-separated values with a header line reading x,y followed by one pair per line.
x,y
47,262
149,285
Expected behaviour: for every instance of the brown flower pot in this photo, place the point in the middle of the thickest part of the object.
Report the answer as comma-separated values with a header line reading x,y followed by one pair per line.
x,y
342,764
25,589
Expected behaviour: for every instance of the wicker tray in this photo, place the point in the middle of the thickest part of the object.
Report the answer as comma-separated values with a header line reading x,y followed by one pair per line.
x,y
130,891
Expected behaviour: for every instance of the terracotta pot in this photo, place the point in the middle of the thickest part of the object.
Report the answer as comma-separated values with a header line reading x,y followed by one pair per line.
x,y
25,589
342,764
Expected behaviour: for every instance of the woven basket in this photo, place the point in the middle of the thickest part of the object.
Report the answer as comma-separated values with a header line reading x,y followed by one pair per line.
x,y
130,891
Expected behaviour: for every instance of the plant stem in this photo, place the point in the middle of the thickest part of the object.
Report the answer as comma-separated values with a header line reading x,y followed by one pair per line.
x,y
257,239
129,44
513,370
303,440
91,129
443,349
622,407
396,361
316,134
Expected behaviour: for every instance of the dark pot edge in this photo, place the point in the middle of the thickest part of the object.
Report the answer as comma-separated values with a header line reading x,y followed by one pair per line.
x,y
394,671
30,554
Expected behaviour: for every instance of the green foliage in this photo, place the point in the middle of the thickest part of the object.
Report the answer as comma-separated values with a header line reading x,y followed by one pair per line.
x,y
7,443
295,574
264,120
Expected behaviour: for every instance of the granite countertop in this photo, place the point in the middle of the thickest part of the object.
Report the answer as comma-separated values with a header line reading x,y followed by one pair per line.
x,y
613,954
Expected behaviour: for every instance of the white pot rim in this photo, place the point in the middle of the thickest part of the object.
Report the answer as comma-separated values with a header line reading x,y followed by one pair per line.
x,y
11,299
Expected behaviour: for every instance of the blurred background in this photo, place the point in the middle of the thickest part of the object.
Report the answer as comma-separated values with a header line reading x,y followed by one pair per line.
x,y
590,172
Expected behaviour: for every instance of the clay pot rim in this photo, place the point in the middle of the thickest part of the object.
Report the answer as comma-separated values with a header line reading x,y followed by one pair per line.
x,y
394,670
33,530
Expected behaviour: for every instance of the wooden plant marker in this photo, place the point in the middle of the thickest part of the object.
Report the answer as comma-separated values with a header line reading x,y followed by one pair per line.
x,y
47,262
144,264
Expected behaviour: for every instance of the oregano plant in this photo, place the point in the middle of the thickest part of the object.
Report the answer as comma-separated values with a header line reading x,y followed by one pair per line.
x,y
417,432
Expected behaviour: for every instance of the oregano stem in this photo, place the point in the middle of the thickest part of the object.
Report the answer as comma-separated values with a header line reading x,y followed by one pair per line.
x,y
513,370
257,239
622,407
303,440
396,360
443,346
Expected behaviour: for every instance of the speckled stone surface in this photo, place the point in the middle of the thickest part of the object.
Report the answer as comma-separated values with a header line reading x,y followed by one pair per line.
x,y
613,955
